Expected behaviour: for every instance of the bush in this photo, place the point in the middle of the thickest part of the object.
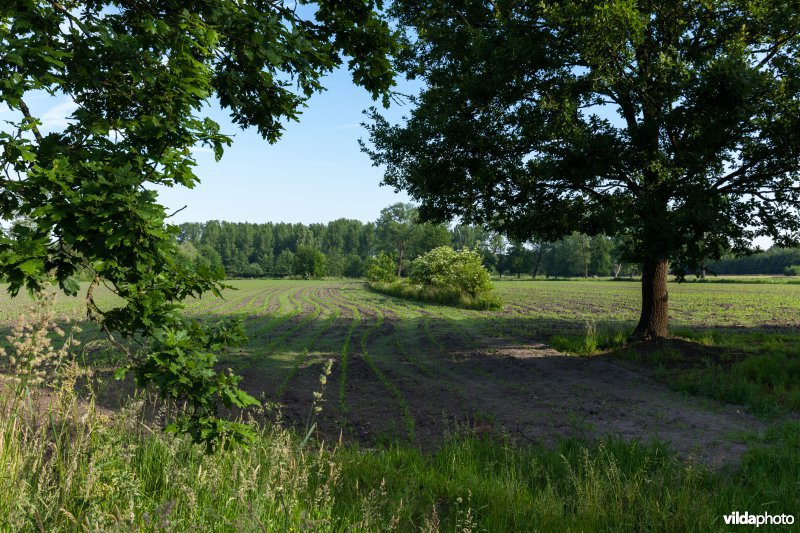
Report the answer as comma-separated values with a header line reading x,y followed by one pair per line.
x,y
381,268
309,262
792,270
445,269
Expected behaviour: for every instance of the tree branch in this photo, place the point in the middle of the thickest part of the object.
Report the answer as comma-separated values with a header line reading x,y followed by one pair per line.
x,y
75,20
26,112
176,212
773,51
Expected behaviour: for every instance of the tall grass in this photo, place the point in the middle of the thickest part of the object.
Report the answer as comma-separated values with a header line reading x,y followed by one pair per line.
x,y
591,342
75,468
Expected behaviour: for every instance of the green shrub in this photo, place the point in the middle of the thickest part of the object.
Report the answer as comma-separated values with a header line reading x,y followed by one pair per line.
x,y
792,270
445,269
309,262
381,268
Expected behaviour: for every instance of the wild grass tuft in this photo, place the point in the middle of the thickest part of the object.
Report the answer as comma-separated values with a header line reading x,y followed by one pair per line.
x,y
591,341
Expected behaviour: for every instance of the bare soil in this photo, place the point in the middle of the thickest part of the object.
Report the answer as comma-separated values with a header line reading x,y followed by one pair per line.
x,y
528,392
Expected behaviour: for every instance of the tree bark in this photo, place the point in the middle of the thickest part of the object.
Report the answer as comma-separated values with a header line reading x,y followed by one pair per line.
x,y
654,320
400,261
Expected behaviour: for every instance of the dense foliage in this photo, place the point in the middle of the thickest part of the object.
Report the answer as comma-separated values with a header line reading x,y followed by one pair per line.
x,y
141,76
381,268
674,124
349,247
445,269
773,261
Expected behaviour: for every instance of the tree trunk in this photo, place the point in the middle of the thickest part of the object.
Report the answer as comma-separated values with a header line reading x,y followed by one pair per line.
x,y
654,320
400,261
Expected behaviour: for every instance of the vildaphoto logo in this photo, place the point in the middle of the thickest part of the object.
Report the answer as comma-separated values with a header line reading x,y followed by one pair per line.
x,y
746,519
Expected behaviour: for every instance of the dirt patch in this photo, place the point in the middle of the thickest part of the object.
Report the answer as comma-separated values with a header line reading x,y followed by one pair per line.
x,y
525,390
539,394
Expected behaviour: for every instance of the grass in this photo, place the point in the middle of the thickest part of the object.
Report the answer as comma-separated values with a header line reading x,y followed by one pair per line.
x,y
737,368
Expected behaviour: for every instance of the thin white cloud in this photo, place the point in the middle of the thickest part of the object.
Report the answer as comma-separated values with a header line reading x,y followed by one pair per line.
x,y
201,150
58,116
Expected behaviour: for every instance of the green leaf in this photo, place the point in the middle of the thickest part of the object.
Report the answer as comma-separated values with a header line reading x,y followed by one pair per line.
x,y
31,267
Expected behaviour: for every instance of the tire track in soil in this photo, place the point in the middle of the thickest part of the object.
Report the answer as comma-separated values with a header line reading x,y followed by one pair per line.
x,y
411,395
305,352
308,343
277,318
432,401
219,305
443,383
355,378
258,381
367,412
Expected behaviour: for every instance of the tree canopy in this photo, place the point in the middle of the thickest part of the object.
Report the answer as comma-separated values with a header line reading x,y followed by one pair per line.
x,y
673,123
141,75
399,231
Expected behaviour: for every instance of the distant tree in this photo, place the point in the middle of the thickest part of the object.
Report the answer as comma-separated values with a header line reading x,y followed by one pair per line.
x,y
380,267
188,255
469,237
674,123
395,230
309,262
284,264
569,256
208,256
497,246
520,259
773,261
334,263
620,254
600,255
539,248
398,232
353,266
426,237
252,270
580,245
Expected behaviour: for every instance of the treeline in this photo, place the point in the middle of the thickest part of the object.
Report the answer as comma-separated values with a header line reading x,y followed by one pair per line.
x,y
342,247
773,261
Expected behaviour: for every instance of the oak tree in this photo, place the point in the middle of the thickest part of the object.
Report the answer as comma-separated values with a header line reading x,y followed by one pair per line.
x,y
142,75
673,124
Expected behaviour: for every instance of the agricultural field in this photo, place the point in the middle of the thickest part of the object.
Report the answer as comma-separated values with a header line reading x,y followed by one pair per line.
x,y
538,416
411,372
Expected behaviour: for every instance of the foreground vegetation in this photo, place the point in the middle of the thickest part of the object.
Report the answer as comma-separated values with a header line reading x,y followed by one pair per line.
x,y
70,467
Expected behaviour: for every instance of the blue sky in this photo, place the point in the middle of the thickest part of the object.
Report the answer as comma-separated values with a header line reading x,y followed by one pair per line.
x,y
315,173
